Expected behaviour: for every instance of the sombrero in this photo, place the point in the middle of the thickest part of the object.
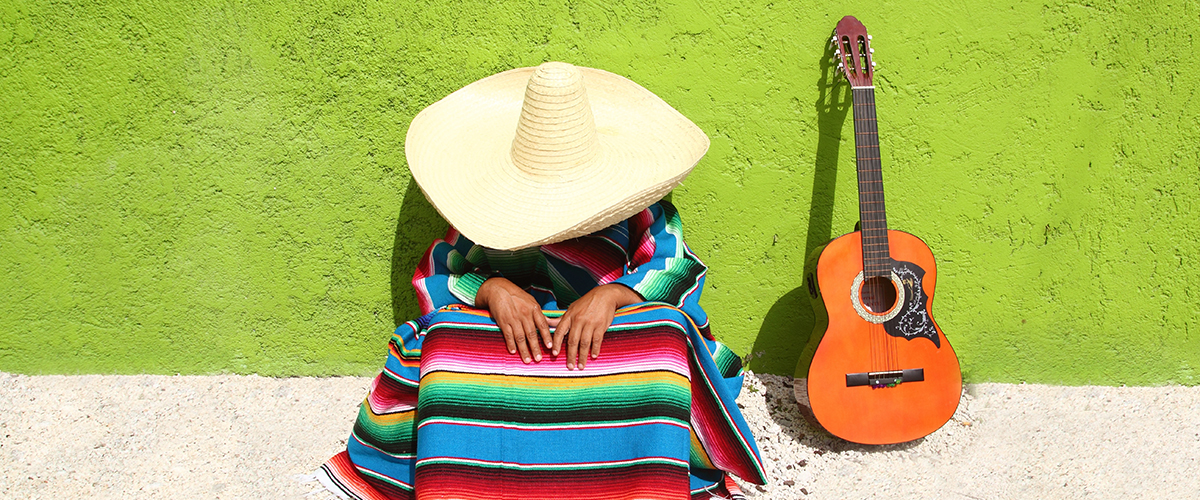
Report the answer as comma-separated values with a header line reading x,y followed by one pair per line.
x,y
533,156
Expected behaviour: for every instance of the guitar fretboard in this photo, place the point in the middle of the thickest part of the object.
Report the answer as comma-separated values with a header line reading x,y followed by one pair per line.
x,y
876,259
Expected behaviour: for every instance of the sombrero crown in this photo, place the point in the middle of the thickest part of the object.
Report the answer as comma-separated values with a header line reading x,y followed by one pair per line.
x,y
533,156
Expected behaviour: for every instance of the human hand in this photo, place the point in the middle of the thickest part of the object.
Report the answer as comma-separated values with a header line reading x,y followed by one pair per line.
x,y
518,315
587,319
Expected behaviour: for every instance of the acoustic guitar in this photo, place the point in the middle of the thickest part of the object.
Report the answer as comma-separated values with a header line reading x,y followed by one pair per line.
x,y
877,369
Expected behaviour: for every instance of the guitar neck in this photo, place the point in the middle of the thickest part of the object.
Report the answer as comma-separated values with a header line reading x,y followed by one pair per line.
x,y
876,259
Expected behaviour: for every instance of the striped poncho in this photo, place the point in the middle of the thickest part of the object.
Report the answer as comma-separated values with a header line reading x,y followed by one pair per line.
x,y
454,415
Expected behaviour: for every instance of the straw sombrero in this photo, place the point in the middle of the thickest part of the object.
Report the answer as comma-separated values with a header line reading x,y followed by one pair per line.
x,y
533,156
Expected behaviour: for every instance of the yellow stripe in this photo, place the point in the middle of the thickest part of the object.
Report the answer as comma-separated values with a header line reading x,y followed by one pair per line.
x,y
388,418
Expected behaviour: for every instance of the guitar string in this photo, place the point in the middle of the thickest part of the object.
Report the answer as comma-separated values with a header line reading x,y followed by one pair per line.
x,y
885,264
861,136
885,354
879,206
892,341
880,349
868,226
880,250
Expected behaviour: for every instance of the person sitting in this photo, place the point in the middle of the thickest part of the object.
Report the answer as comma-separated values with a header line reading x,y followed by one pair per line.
x,y
562,351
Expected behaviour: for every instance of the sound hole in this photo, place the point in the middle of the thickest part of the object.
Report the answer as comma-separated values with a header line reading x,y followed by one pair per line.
x,y
878,294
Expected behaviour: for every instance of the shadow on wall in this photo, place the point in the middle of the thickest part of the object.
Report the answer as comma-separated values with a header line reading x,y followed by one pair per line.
x,y
788,324
417,225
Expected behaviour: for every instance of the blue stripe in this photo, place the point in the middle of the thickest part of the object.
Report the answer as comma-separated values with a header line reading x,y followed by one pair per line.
x,y
553,446
401,470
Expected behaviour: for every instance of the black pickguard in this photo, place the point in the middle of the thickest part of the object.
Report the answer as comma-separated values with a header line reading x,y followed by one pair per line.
x,y
913,320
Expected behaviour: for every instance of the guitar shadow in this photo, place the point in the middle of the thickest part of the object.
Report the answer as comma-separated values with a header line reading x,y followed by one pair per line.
x,y
783,410
788,325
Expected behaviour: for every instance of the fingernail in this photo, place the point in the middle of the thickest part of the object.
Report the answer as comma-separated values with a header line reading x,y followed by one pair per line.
x,y
538,357
526,360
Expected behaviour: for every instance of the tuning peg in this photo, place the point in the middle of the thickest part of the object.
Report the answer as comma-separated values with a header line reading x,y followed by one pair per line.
x,y
872,64
837,53
872,51
868,37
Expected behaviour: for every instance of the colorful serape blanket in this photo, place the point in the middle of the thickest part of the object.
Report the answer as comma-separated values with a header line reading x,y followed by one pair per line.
x,y
652,417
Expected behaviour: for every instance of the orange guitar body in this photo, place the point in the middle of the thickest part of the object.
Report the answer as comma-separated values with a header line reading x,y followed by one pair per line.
x,y
846,343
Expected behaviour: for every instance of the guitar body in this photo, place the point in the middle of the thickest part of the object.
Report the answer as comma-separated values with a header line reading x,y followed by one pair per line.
x,y
847,344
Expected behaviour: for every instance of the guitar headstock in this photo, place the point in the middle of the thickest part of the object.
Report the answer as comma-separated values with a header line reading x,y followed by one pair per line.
x,y
852,48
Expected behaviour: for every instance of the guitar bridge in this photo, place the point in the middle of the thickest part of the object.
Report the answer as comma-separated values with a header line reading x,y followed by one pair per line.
x,y
885,379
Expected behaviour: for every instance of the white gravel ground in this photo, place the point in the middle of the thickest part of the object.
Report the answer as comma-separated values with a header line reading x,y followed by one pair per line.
x,y
250,437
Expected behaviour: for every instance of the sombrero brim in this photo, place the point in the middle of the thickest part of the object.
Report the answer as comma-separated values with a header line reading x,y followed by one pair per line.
x,y
459,152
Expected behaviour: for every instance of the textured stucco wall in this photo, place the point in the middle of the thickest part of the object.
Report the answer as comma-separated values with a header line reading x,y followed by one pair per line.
x,y
204,187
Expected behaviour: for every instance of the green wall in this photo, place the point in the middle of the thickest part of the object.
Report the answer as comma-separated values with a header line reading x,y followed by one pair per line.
x,y
204,187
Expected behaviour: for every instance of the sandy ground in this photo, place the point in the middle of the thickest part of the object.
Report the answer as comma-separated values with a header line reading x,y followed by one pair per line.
x,y
250,437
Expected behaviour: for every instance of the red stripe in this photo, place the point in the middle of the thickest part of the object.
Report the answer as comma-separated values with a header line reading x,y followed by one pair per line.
x,y
639,228
602,262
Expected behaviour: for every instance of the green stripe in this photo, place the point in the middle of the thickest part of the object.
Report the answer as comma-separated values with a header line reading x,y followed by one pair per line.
x,y
728,362
573,423
490,392
668,284
466,286
477,256
374,432
455,262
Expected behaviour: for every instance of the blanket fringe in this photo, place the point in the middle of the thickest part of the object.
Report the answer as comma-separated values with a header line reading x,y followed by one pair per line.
x,y
323,480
